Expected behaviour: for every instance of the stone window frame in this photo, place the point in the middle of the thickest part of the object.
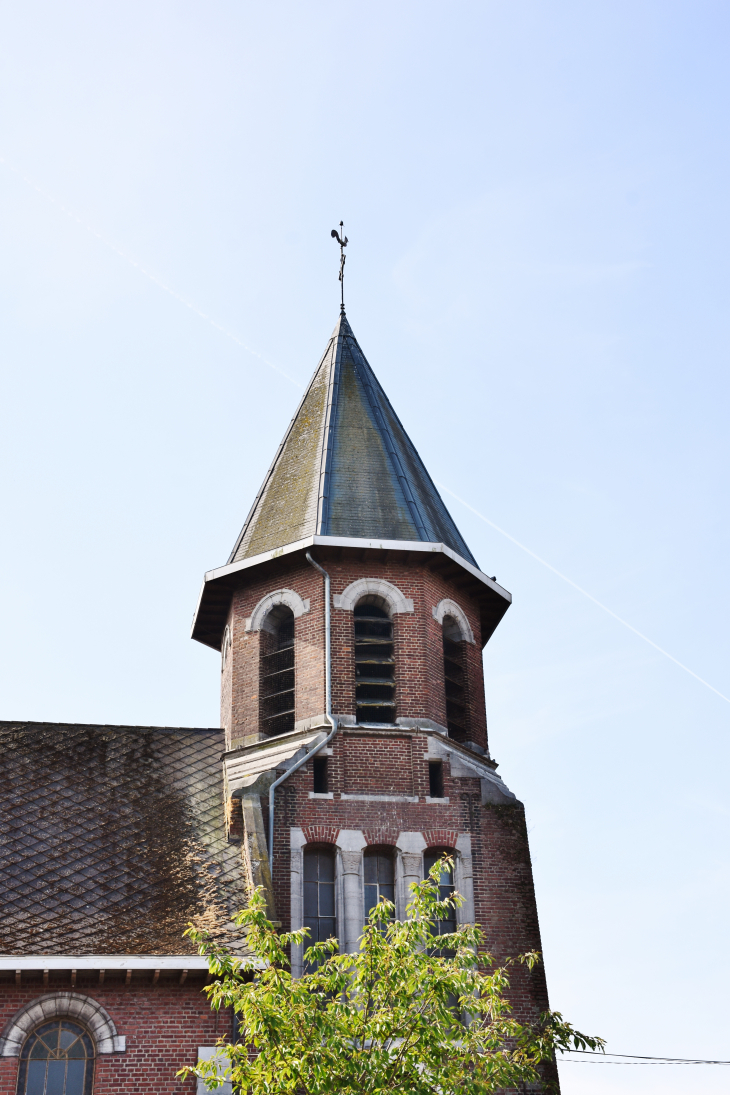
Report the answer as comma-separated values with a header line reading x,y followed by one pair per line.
x,y
62,1005
297,844
257,621
350,845
225,647
447,607
393,597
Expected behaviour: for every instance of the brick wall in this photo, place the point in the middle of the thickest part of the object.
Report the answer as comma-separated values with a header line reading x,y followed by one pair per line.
x,y
417,643
164,1024
504,900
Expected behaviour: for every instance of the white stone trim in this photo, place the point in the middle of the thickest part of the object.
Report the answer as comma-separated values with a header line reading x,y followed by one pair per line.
x,y
447,607
225,647
378,587
409,868
297,840
223,1066
105,962
62,1005
379,798
292,600
350,844
464,879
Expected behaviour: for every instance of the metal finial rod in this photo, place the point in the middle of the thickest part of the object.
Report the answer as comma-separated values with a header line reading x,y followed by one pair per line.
x,y
342,240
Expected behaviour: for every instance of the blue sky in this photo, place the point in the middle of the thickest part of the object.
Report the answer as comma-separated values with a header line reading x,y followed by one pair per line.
x,y
536,199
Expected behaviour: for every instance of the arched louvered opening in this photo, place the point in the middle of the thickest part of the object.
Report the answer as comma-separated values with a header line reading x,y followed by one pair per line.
x,y
374,663
276,686
457,715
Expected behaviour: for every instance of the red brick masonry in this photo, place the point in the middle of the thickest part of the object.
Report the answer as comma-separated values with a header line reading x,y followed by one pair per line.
x,y
164,1024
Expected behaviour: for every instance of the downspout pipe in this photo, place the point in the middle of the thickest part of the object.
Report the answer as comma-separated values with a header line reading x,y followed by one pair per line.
x,y
328,712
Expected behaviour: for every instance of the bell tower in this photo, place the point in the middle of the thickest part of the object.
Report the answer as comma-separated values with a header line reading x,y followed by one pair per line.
x,y
350,618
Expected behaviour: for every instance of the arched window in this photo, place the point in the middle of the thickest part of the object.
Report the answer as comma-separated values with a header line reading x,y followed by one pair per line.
x,y
374,663
457,715
57,1059
446,887
319,894
379,871
276,692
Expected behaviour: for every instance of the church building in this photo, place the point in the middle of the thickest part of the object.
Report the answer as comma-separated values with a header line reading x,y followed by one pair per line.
x,y
352,753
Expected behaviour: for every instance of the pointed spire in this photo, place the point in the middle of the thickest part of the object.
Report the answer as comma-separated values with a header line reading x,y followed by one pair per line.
x,y
346,467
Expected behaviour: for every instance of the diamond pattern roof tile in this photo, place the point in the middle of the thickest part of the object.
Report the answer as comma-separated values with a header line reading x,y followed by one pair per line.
x,y
112,838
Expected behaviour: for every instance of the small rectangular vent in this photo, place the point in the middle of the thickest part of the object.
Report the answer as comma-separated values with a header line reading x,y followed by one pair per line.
x,y
319,774
435,779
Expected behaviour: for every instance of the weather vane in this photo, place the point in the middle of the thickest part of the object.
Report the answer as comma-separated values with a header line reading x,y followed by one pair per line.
x,y
342,240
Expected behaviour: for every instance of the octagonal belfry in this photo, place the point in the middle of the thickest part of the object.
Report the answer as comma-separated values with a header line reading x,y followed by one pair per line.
x,y
398,769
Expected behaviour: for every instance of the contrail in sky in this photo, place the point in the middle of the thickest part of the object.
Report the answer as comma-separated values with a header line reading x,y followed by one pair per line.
x,y
239,342
147,273
583,591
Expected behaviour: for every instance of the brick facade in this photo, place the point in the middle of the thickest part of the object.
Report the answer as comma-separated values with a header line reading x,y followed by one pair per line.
x,y
378,777
417,641
166,830
164,1024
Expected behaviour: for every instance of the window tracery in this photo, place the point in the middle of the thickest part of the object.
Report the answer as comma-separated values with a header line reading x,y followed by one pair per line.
x,y
57,1059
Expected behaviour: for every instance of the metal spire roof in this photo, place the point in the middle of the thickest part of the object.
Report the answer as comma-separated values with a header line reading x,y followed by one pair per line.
x,y
346,467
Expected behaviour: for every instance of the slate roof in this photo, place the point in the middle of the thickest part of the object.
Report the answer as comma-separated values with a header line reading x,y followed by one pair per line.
x,y
346,467
112,838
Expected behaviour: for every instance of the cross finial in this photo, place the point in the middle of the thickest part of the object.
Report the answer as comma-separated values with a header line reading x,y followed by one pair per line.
x,y
342,240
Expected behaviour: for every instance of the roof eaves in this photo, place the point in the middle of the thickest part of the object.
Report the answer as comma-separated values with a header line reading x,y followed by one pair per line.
x,y
114,961
354,542
230,569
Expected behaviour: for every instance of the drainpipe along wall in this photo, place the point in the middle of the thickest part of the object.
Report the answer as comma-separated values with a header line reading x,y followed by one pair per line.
x,y
328,705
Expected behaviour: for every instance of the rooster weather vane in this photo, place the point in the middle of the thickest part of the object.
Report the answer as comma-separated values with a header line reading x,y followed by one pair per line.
x,y
342,240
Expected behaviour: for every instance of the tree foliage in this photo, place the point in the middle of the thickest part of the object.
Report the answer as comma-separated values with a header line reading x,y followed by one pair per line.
x,y
412,1011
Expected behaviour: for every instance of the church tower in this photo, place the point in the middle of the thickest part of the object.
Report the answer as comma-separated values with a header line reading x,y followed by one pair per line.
x,y
350,618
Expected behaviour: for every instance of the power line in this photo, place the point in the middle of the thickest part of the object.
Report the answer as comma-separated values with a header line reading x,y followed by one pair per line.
x,y
635,1059
583,591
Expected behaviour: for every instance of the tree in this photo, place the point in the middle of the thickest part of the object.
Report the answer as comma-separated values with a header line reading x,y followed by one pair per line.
x,y
412,1011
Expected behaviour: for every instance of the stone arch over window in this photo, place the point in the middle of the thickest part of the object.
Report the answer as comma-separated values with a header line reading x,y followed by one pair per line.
x,y
382,592
261,618
62,1005
457,626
